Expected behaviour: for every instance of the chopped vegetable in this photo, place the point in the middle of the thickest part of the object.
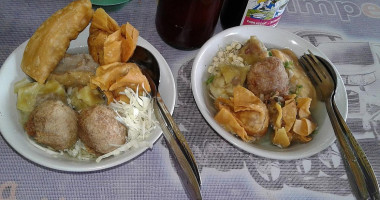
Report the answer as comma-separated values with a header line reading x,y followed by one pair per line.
x,y
210,79
288,64
138,116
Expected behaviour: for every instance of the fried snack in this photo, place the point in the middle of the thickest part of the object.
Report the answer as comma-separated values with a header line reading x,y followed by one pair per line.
x,y
289,113
304,127
115,77
109,43
49,43
244,115
281,138
251,111
129,43
231,124
292,122
102,25
304,107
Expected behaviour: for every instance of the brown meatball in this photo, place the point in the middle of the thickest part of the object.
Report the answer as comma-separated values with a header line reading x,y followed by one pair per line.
x,y
99,130
54,124
267,77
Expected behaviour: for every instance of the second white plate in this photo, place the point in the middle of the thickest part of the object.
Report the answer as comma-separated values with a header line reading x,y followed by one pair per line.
x,y
272,38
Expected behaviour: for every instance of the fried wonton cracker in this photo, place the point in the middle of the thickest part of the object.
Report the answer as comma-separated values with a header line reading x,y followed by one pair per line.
x,y
303,105
304,127
108,42
281,138
129,42
245,109
230,123
114,78
223,103
49,43
278,116
301,138
246,100
134,78
106,75
289,114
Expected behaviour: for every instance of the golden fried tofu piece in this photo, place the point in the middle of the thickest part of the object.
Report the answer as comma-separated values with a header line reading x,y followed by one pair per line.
x,y
49,43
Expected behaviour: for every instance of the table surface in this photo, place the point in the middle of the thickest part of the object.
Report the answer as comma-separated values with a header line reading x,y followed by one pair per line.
x,y
227,172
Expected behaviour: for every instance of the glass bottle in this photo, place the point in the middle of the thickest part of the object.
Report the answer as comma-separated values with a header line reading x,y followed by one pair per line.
x,y
187,24
252,12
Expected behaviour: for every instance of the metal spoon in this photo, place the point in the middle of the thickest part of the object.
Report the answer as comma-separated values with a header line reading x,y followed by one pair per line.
x,y
359,171
174,138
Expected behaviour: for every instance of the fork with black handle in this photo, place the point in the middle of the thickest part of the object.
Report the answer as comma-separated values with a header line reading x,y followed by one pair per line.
x,y
359,171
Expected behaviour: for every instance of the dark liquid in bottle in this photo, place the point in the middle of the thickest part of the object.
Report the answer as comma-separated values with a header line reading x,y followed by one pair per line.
x,y
187,24
232,13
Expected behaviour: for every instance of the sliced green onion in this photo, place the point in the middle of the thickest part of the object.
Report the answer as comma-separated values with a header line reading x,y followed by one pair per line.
x,y
288,64
210,79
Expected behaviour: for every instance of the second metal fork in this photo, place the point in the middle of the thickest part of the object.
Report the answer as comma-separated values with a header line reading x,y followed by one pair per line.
x,y
359,171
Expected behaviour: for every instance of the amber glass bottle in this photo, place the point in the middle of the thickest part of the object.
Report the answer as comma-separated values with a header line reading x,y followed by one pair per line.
x,y
187,24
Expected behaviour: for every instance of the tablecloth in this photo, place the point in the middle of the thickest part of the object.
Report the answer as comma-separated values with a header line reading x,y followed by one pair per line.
x,y
350,26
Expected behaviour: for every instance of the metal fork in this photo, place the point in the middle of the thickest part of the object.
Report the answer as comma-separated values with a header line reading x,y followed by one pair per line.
x,y
360,174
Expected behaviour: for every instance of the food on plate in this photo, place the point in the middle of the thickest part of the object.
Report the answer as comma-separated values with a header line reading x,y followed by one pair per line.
x,y
113,78
227,71
254,88
49,43
109,43
291,120
268,76
244,114
74,106
99,129
253,50
54,124
30,94
299,82
74,70
84,97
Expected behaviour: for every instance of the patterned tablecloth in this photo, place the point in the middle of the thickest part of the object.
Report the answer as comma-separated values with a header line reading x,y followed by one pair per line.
x,y
227,172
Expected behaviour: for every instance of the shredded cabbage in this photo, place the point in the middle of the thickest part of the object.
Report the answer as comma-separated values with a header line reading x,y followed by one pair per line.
x,y
80,151
138,116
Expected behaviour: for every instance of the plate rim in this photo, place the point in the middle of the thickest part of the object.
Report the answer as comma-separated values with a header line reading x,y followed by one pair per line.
x,y
281,154
38,156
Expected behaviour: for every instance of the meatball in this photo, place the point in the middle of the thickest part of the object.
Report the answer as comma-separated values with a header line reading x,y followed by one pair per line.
x,y
267,77
99,130
54,124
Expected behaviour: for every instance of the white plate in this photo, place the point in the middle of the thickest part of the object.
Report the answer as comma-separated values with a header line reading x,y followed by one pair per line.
x,y
16,137
272,37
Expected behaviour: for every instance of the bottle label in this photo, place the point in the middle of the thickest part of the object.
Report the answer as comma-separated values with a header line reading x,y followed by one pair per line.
x,y
263,12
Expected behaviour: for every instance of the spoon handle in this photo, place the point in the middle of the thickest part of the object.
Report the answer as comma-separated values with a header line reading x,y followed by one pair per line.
x,y
187,175
179,136
373,187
